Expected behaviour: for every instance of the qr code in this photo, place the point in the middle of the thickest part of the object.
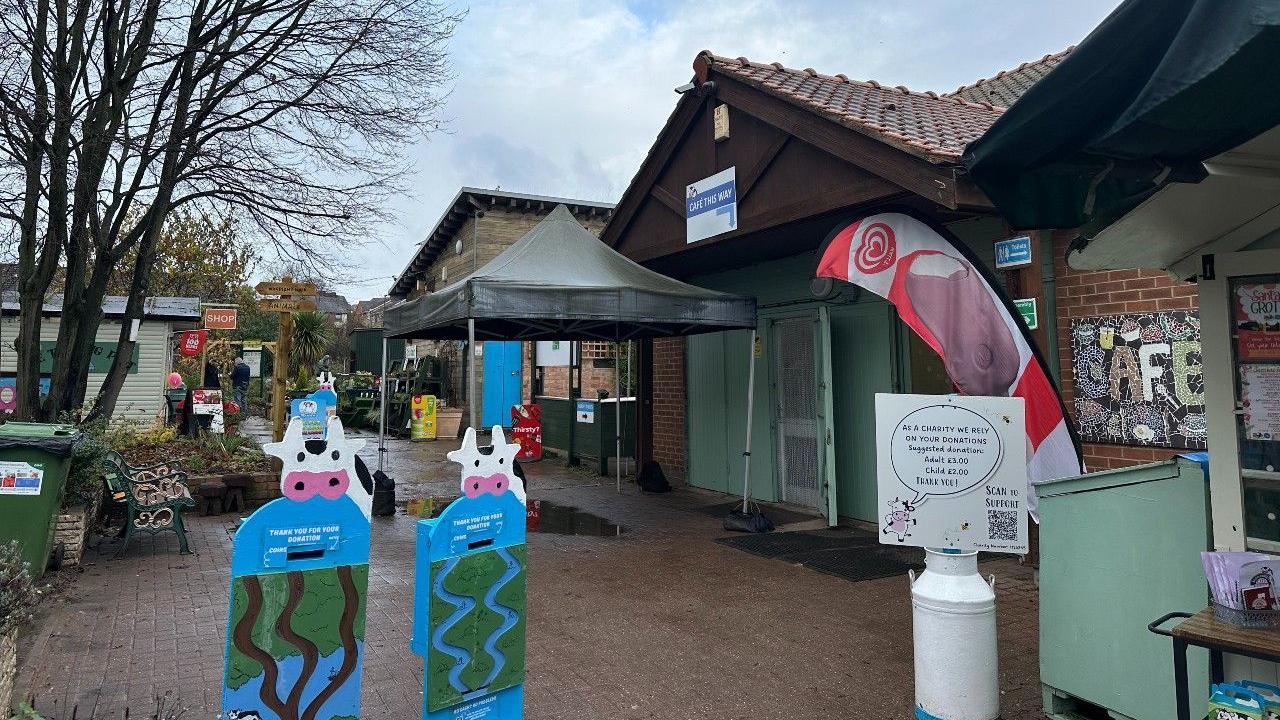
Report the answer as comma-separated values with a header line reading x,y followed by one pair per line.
x,y
1002,524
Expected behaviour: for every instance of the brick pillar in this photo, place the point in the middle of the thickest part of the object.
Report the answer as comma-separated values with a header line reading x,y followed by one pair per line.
x,y
669,406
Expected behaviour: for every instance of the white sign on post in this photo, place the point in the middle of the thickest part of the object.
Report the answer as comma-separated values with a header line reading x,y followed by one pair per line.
x,y
952,471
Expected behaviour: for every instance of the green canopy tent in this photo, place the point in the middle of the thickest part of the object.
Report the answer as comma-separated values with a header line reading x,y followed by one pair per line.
x,y
1143,101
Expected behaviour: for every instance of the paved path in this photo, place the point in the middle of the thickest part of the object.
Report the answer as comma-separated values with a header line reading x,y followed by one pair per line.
x,y
659,623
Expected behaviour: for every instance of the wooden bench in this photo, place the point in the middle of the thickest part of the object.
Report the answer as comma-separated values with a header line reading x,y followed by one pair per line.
x,y
154,497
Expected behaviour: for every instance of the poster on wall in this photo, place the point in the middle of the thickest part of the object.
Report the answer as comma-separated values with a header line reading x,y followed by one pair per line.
x,y
952,471
1257,319
1260,401
1138,379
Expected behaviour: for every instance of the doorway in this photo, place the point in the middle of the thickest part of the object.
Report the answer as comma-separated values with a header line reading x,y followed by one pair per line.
x,y
502,381
796,411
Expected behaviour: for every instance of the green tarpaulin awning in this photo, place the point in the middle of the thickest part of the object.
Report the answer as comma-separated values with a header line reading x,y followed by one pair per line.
x,y
1153,91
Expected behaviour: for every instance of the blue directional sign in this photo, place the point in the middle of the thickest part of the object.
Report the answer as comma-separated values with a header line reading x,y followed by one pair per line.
x,y
711,206
1014,252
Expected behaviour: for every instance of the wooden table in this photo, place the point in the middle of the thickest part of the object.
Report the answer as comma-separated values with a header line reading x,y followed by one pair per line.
x,y
1206,631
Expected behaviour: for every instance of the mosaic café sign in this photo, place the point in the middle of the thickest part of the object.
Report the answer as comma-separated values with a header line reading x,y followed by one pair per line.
x,y
1138,379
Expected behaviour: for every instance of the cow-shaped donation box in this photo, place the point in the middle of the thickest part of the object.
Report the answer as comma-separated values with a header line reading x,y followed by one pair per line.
x,y
469,591
299,574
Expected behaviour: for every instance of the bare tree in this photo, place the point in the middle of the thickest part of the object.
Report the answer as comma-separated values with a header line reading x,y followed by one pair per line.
x,y
287,114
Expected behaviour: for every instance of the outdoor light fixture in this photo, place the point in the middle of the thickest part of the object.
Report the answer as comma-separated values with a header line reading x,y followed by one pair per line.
x,y
685,88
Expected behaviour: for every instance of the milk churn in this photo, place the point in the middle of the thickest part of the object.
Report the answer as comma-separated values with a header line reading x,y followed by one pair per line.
x,y
954,630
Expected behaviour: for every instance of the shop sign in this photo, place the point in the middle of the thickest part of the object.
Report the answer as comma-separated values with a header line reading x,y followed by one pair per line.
x,y
220,318
1013,253
1257,319
20,478
586,411
1026,307
711,206
1139,379
952,471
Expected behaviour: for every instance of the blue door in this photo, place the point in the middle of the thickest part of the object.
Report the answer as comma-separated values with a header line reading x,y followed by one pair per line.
x,y
501,381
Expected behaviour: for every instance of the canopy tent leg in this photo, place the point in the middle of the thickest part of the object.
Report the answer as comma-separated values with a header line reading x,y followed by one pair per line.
x,y
471,372
617,414
382,406
746,448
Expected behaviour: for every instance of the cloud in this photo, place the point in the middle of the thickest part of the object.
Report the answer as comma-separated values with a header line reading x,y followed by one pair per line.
x,y
565,97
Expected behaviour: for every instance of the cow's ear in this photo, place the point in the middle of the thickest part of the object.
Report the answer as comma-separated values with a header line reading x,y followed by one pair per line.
x,y
289,444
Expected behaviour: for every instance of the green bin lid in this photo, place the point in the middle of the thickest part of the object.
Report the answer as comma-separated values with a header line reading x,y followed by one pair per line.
x,y
53,438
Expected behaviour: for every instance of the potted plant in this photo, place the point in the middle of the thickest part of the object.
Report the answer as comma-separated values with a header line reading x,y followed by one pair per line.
x,y
18,595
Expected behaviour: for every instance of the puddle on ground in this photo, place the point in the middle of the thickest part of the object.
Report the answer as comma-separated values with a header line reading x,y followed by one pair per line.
x,y
548,517
543,516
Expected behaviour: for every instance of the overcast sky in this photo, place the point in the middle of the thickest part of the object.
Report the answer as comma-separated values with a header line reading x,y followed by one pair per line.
x,y
561,97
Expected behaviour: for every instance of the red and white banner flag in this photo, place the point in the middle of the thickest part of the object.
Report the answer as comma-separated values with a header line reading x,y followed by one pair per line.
x,y
953,308
191,342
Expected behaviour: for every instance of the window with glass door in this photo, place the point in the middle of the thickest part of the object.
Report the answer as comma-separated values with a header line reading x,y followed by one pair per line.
x,y
1255,347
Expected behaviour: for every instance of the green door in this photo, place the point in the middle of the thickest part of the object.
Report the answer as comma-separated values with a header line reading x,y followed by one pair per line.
x,y
705,393
862,362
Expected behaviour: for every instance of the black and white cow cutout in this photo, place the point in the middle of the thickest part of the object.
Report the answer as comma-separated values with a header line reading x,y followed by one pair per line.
x,y
320,467
492,472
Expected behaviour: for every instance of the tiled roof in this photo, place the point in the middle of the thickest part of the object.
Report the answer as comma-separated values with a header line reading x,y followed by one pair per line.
x,y
1008,85
332,304
925,124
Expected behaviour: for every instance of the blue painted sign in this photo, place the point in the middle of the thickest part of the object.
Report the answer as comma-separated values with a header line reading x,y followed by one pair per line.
x,y
586,411
711,206
299,576
314,411
469,591
1014,252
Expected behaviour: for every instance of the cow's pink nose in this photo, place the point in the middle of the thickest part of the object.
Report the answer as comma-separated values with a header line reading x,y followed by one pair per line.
x,y
302,485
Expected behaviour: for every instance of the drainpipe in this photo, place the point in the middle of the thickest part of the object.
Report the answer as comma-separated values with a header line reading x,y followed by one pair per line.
x,y
1048,284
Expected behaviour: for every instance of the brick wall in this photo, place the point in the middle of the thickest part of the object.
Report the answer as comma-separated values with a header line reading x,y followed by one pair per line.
x,y
668,406
1110,292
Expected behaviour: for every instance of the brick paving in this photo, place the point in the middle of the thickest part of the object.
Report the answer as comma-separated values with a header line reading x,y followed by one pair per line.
x,y
659,623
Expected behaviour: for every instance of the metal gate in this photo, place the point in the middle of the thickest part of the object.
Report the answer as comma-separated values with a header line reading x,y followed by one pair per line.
x,y
796,411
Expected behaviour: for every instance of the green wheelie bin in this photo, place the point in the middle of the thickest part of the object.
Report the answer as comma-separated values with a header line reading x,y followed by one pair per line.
x,y
34,459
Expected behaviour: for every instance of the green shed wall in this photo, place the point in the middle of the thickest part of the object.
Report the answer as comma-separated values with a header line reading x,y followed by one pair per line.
x,y
868,351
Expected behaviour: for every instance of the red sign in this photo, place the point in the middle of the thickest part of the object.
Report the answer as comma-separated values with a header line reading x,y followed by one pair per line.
x,y
526,422
192,342
216,318
1257,319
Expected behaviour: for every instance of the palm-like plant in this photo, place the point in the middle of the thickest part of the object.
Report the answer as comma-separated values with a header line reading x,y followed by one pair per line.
x,y
312,337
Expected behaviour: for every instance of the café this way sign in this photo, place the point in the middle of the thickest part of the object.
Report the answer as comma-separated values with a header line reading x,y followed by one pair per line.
x,y
711,206
952,471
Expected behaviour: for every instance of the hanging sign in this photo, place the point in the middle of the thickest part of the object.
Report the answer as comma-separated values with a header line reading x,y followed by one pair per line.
x,y
952,472
220,318
711,206
20,478
191,342
1138,379
1257,321
1014,252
